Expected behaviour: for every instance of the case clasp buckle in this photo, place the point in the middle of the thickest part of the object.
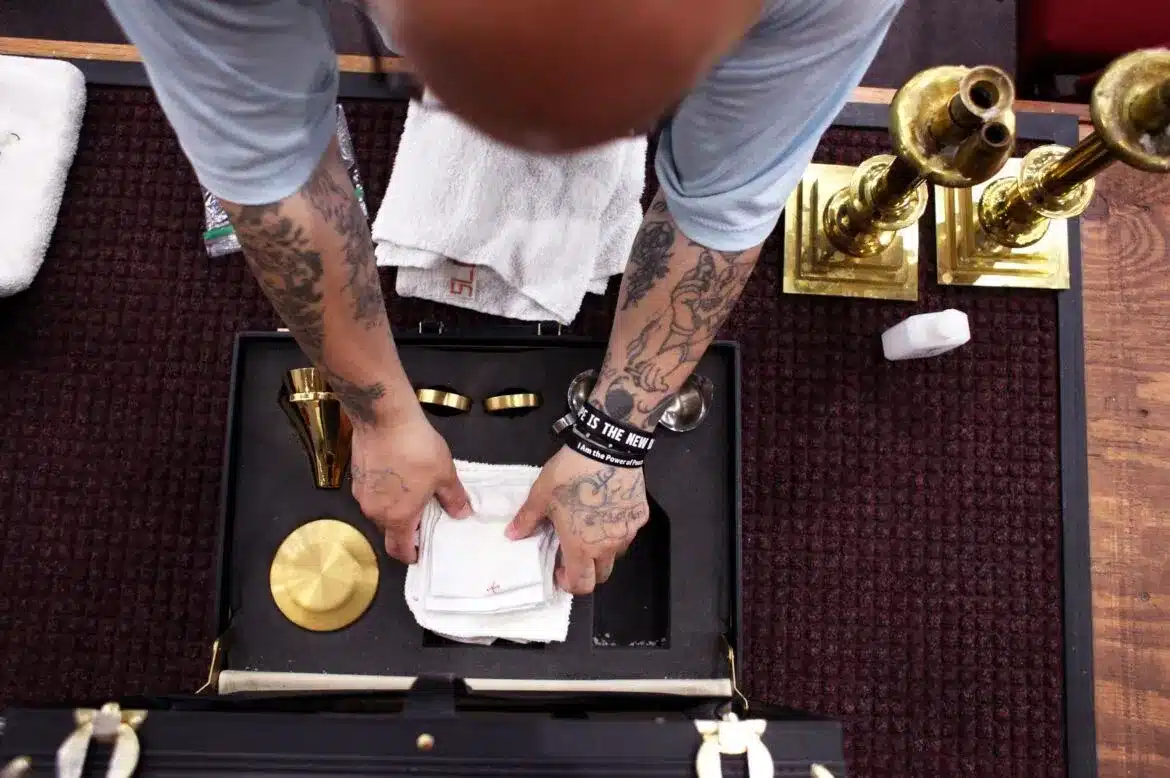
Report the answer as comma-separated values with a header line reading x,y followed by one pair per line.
x,y
110,724
732,737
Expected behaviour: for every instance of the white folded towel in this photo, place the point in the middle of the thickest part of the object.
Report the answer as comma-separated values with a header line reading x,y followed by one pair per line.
x,y
475,223
471,583
42,102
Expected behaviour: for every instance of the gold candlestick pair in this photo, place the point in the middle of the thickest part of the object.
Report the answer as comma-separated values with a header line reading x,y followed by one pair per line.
x,y
853,232
1013,230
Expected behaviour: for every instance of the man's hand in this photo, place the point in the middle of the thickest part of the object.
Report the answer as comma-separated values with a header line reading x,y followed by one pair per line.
x,y
396,468
596,510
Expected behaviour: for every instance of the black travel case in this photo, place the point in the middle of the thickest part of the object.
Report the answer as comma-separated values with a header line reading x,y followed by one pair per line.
x,y
645,678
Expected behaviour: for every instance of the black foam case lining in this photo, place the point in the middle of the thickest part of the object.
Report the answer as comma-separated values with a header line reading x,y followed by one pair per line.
x,y
669,611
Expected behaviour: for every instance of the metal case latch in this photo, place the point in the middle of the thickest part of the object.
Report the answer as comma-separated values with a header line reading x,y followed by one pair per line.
x,y
731,736
110,724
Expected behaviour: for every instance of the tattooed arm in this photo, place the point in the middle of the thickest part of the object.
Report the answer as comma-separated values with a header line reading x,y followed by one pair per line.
x,y
674,297
314,259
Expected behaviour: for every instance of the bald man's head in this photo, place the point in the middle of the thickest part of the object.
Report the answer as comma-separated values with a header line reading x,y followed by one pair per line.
x,y
563,74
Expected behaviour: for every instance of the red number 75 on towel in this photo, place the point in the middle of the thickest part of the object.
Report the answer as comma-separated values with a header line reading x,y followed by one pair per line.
x,y
462,281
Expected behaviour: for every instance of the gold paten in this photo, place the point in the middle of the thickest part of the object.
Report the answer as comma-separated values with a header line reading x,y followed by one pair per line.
x,y
324,575
511,402
853,232
1013,230
444,399
321,424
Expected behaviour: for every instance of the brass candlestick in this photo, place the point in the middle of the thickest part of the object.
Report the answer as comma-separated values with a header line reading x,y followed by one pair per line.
x,y
321,424
1009,237
853,231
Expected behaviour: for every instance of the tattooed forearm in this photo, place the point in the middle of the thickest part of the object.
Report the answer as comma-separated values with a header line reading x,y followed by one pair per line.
x,y
676,296
285,261
312,251
603,506
649,260
359,400
675,339
332,195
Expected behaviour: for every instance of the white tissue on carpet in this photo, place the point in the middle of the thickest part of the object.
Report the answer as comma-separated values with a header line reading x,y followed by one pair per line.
x,y
42,102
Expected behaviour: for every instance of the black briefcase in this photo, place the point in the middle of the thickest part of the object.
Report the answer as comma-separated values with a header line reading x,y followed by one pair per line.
x,y
645,683
437,728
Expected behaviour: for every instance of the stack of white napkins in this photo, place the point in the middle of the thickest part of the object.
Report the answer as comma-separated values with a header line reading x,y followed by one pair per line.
x,y
474,585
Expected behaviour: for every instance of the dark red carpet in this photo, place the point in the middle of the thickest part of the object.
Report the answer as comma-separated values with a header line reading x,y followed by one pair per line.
x,y
902,522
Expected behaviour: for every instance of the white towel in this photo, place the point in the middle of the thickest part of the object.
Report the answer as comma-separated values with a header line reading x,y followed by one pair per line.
x,y
471,583
475,223
42,102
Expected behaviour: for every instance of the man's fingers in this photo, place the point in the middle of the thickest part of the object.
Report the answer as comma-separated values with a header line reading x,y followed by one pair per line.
x,y
400,540
530,515
453,496
579,573
604,568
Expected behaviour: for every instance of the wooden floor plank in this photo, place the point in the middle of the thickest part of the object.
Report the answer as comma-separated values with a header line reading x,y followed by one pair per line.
x,y
1126,236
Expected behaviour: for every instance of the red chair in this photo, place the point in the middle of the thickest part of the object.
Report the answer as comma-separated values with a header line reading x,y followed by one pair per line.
x,y
1079,37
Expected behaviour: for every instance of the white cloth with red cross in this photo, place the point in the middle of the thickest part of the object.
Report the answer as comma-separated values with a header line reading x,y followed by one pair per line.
x,y
471,583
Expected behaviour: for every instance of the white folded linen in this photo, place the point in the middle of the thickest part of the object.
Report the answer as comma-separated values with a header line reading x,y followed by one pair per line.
x,y
472,222
473,584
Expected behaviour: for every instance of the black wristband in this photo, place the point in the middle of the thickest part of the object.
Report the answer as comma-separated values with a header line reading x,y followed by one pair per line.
x,y
608,431
577,441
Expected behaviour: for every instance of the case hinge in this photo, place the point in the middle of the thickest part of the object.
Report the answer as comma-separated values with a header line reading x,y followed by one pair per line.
x,y
110,724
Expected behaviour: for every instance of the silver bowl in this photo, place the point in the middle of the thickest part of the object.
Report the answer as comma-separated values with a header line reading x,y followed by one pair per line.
x,y
684,413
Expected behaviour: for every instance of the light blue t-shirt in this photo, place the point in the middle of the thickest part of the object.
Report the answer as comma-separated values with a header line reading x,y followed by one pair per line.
x,y
250,85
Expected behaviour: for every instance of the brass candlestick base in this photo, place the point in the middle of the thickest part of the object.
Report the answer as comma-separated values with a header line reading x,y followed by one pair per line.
x,y
1014,231
322,426
813,265
853,232
324,575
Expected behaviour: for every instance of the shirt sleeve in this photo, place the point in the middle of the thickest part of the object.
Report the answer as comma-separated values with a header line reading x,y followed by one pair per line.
x,y
249,87
738,145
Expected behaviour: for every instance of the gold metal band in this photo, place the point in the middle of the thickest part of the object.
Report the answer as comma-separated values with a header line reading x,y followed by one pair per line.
x,y
444,399
511,402
298,397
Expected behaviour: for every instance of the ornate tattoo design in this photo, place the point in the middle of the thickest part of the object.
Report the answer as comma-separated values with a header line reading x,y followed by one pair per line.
x,y
381,480
649,260
338,207
286,260
603,508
